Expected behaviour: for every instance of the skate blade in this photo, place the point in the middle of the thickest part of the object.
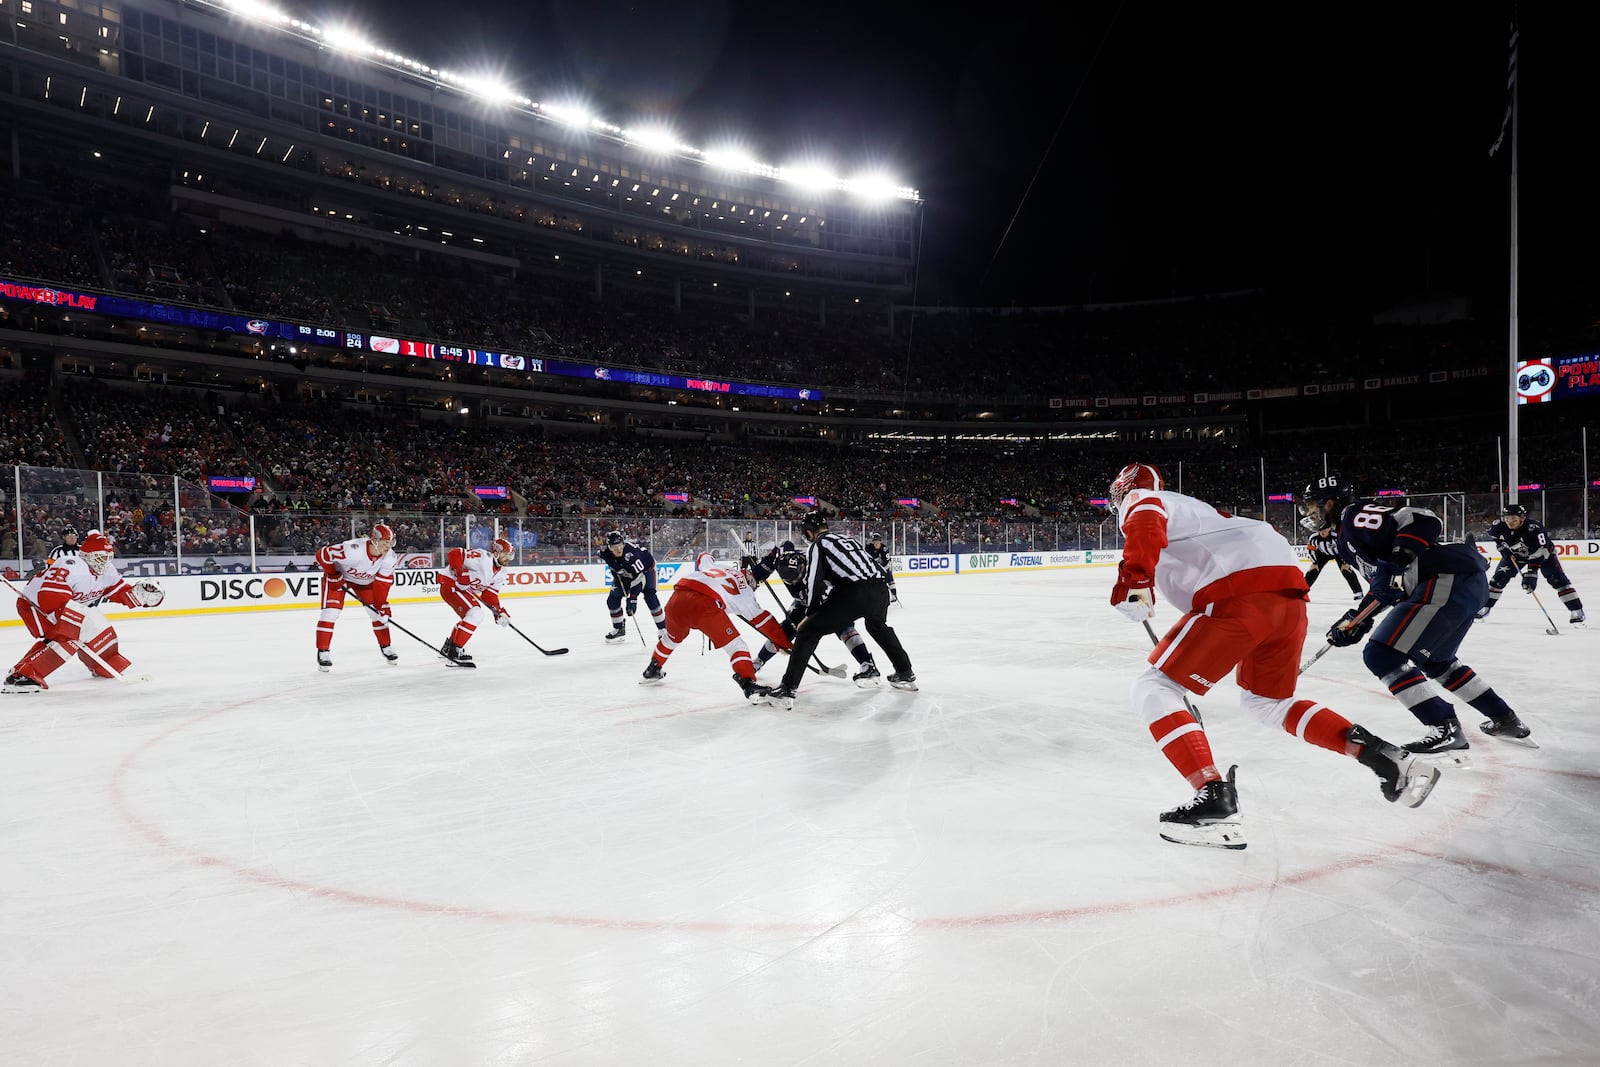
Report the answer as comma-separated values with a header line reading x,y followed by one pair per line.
x,y
905,687
758,699
468,665
1420,785
868,683
324,670
1459,758
1525,742
1208,835
22,690
652,681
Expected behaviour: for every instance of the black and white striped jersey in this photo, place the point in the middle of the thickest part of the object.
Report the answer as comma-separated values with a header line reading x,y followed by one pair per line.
x,y
834,559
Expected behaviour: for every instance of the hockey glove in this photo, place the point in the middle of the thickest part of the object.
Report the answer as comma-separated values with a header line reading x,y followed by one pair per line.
x,y
149,594
1342,634
1128,581
382,609
1386,584
633,604
502,617
1138,606
1530,578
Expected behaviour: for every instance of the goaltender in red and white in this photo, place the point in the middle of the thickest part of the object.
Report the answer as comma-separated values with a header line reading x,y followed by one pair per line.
x,y
1242,596
57,608
705,599
470,583
363,566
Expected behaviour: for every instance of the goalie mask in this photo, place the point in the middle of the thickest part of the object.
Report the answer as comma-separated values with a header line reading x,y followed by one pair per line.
x,y
1135,476
501,550
96,552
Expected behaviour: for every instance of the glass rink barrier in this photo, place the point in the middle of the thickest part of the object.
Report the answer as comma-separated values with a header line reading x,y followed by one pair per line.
x,y
162,524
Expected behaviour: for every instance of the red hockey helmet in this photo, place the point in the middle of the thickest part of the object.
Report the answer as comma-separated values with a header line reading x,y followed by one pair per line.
x,y
96,551
500,548
1135,476
382,533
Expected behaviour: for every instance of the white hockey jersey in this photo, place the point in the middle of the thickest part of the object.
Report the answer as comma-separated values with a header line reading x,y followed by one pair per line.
x,y
728,586
70,579
473,571
349,561
1198,554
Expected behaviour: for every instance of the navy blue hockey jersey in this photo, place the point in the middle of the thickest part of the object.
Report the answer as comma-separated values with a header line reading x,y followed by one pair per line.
x,y
1404,539
1529,543
636,566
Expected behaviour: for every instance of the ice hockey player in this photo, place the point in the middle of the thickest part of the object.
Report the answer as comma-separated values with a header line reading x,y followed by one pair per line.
x,y
1242,599
470,583
57,608
1433,589
843,584
1525,546
363,566
633,574
790,566
705,599
880,555
1323,546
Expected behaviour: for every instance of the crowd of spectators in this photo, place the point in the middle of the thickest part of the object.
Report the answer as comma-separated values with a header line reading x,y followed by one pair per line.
x,y
1219,342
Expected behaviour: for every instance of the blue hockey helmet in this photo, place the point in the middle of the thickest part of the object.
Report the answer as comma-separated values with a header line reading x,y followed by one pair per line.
x,y
614,538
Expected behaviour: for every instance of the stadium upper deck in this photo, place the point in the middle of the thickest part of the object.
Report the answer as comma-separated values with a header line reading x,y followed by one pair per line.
x,y
294,110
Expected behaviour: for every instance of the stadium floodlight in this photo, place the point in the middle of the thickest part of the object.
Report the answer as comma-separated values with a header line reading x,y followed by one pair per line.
x,y
655,138
346,40
809,176
873,187
571,116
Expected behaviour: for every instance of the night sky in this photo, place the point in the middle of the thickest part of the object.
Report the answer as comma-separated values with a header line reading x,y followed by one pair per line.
x,y
1338,150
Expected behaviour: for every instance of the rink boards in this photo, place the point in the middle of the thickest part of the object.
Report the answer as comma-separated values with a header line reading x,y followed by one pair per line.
x,y
227,593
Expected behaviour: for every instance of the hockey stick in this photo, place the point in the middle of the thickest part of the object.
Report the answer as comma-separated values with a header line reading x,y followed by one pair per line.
x,y
639,630
1552,630
547,651
821,667
74,647
1187,703
1361,616
389,621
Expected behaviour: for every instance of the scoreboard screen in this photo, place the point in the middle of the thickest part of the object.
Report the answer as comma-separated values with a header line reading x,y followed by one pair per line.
x,y
1578,376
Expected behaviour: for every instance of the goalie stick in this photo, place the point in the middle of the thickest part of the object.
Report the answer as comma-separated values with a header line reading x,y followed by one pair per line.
x,y
74,647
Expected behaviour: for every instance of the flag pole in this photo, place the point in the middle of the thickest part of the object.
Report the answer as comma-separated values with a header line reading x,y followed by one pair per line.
x,y
1512,475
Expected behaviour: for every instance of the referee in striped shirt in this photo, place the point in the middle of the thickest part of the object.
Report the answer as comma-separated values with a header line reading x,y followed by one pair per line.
x,y
843,584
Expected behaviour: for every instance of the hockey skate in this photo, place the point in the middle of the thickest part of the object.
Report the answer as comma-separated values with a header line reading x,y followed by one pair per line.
x,y
1211,818
867,677
324,661
1483,612
454,656
1400,775
781,696
1444,743
652,673
1510,729
17,682
904,680
1578,618
390,654
617,633
754,693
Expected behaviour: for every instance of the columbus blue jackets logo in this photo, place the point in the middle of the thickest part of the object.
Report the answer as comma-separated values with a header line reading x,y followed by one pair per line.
x,y
256,326
602,373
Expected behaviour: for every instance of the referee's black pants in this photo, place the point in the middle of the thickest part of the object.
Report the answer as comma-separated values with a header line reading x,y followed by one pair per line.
x,y
847,602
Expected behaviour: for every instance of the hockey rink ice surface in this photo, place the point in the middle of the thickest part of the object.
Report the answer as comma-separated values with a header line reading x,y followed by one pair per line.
x,y
243,861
